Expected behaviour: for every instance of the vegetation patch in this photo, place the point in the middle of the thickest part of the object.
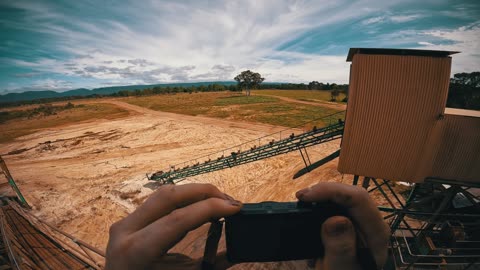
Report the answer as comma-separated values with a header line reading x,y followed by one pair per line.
x,y
41,110
21,123
190,104
234,106
240,100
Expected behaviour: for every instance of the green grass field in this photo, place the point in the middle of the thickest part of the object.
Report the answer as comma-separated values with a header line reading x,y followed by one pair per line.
x,y
235,106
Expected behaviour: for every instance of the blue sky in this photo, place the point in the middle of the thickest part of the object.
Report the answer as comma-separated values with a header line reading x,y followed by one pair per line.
x,y
60,45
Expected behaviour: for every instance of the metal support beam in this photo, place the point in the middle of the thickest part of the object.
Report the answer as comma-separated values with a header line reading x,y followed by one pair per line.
x,y
307,165
366,182
355,180
12,183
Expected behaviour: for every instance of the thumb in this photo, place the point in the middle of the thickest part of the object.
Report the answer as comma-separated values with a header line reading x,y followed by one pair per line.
x,y
338,237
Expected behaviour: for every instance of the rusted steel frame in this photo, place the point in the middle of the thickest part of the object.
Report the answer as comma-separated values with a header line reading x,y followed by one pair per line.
x,y
396,221
393,192
45,252
73,250
34,256
12,183
306,153
451,182
11,256
55,254
77,241
86,251
383,193
18,247
417,213
374,188
366,182
355,180
470,197
450,194
73,254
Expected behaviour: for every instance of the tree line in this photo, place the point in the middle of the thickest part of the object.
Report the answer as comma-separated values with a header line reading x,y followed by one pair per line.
x,y
464,91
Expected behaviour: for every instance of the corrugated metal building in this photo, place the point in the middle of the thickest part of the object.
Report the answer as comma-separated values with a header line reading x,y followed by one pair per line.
x,y
396,125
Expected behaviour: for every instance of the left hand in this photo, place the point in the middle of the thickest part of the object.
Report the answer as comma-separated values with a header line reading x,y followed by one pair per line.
x,y
142,239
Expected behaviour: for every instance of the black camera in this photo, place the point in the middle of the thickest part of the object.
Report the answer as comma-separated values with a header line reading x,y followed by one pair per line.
x,y
278,231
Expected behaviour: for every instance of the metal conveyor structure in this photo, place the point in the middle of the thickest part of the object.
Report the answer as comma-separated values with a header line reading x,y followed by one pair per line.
x,y
333,130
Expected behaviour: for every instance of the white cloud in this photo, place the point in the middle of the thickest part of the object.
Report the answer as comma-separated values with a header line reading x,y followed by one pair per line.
x,y
194,40
373,20
52,84
424,43
405,18
389,17
464,39
238,35
44,84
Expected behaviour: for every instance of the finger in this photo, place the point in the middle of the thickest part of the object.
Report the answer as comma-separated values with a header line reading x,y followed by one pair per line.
x,y
165,200
338,237
362,210
158,237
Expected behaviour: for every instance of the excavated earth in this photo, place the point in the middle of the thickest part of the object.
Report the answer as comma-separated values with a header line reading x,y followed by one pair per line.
x,y
84,177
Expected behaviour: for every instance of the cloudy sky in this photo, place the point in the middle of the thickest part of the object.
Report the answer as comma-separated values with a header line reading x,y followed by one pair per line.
x,y
61,45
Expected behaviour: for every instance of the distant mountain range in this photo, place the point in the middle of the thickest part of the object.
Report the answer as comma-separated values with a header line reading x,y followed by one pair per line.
x,y
83,92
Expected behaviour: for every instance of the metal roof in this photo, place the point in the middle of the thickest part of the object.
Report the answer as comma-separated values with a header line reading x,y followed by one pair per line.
x,y
385,51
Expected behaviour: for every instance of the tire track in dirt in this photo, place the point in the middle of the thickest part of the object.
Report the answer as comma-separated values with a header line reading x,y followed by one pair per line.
x,y
197,119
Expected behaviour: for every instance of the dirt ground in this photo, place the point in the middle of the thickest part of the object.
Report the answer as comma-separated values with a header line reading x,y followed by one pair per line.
x,y
82,178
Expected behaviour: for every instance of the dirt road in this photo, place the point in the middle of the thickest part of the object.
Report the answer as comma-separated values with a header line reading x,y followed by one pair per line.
x,y
320,103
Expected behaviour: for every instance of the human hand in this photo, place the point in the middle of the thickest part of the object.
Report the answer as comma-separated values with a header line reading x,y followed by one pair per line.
x,y
142,239
339,235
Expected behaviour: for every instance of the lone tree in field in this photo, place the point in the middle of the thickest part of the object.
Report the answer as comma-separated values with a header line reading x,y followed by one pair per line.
x,y
334,94
248,80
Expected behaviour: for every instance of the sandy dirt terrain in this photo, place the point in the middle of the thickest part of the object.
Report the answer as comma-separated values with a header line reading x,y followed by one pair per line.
x,y
82,178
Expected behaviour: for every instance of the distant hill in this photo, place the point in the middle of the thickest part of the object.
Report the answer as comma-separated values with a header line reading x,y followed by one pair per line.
x,y
83,92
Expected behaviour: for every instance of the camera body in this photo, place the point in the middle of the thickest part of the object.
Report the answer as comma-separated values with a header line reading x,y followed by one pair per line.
x,y
278,231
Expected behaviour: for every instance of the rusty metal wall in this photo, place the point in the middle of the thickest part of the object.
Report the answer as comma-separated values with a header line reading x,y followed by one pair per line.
x,y
458,154
393,115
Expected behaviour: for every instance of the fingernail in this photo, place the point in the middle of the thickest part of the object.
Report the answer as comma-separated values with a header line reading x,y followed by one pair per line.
x,y
301,193
235,203
338,228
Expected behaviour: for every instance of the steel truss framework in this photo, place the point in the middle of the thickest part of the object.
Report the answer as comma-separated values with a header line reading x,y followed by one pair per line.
x,y
434,225
333,131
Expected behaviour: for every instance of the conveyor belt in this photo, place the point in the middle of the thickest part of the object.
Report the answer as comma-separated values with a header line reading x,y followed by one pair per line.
x,y
313,137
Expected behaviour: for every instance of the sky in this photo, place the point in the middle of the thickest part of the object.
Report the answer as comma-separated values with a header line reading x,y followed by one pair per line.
x,y
61,45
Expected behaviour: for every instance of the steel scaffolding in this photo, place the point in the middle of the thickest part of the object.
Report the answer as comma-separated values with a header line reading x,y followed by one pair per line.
x,y
434,225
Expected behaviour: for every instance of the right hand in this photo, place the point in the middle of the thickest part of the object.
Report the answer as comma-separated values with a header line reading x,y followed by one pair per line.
x,y
339,235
